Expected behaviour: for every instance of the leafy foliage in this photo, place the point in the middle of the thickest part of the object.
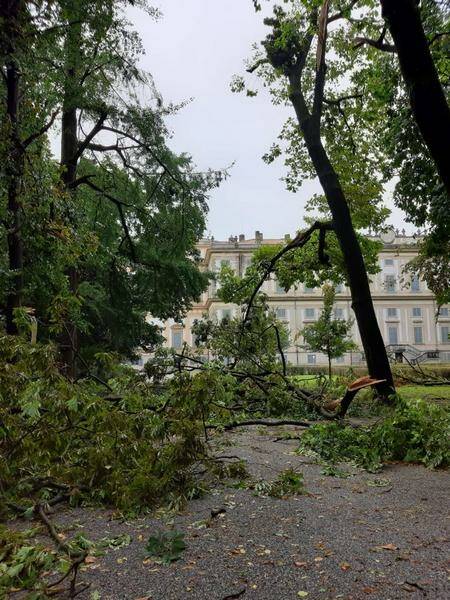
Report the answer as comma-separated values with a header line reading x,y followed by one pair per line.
x,y
110,212
250,346
289,482
416,431
166,547
126,446
24,563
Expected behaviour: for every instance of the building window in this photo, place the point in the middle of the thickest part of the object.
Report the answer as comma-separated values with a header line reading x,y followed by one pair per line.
x,y
389,283
340,359
392,313
443,312
418,335
415,283
339,288
281,313
388,262
308,290
338,313
310,313
416,311
311,359
177,338
393,335
445,339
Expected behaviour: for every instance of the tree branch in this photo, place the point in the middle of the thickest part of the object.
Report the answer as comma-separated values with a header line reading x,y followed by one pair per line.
x,y
148,149
280,349
267,423
80,180
120,206
379,43
437,36
298,242
257,64
41,131
342,12
337,104
90,136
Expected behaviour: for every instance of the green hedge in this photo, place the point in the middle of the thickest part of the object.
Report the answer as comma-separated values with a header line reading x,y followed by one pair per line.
x,y
441,370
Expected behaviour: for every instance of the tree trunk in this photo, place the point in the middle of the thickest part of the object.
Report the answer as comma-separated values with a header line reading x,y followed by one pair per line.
x,y
329,368
10,14
374,348
69,338
426,95
69,161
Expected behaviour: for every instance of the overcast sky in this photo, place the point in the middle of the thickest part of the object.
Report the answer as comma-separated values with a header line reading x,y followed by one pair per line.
x,y
192,52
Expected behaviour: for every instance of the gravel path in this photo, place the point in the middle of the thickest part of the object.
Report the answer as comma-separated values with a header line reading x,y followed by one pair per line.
x,y
367,536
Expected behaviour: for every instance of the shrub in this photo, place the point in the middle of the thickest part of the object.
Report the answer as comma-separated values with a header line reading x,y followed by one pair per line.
x,y
415,431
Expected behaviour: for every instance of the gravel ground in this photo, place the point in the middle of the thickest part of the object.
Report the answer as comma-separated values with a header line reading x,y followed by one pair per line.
x,y
367,536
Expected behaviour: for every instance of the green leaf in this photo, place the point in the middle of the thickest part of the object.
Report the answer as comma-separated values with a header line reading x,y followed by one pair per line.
x,y
166,547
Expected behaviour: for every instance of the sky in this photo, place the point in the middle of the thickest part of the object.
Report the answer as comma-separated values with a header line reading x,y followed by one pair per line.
x,y
192,52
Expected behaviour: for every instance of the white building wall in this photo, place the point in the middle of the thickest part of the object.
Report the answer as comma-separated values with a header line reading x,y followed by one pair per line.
x,y
297,300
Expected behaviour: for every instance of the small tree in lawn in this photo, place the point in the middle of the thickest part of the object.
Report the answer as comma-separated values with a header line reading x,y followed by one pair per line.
x,y
329,335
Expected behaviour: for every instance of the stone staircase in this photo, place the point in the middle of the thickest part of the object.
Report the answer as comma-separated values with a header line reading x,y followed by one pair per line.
x,y
407,353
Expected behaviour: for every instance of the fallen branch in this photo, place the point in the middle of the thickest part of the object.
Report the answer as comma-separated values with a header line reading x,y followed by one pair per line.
x,y
266,423
77,557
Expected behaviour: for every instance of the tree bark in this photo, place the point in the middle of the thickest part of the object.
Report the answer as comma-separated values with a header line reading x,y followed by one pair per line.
x,y
427,98
10,14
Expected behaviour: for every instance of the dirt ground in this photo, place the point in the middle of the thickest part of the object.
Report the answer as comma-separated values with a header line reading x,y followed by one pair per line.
x,y
379,536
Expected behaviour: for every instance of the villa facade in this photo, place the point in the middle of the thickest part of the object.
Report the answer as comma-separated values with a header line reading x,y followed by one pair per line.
x,y
406,310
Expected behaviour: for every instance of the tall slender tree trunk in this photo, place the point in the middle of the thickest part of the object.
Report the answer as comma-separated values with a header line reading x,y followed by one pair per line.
x,y
10,15
69,161
329,367
427,98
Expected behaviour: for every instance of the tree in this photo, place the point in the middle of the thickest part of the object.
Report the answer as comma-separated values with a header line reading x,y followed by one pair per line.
x,y
428,102
405,156
109,234
290,63
10,18
329,335
16,26
397,100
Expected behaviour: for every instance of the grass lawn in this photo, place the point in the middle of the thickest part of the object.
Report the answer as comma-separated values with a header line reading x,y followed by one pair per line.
x,y
426,392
